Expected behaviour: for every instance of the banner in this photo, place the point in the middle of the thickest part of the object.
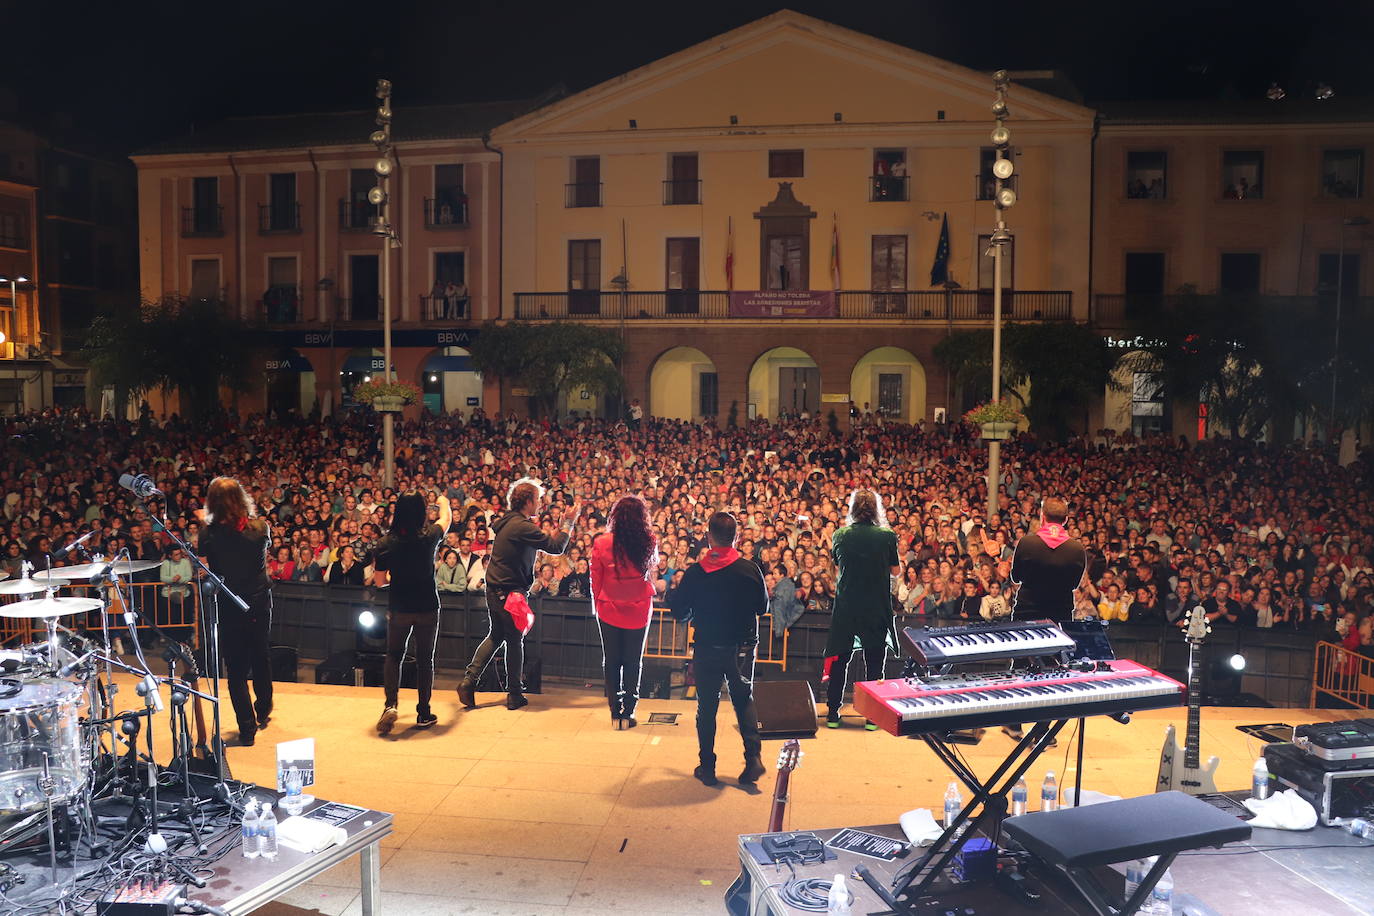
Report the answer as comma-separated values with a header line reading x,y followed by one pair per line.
x,y
783,303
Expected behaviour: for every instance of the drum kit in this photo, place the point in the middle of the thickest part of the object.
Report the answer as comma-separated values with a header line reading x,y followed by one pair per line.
x,y
58,766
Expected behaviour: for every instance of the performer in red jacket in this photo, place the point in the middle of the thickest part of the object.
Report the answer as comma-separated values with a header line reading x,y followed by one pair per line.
x,y
623,559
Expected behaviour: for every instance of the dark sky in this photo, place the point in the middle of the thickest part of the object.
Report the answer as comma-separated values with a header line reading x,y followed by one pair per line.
x,y
133,73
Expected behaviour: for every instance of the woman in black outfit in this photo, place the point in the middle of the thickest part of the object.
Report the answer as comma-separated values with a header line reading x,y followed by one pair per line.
x,y
235,544
406,557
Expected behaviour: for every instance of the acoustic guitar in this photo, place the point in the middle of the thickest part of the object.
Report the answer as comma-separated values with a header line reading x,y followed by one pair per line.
x,y
737,895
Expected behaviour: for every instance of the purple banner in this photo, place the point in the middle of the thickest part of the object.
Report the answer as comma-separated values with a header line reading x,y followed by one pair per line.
x,y
783,303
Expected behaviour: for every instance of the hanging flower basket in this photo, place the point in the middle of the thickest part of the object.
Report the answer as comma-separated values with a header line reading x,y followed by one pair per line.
x,y
387,404
997,429
386,396
996,419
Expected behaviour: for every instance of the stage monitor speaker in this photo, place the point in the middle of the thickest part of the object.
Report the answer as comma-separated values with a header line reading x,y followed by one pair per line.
x,y
337,668
785,708
285,664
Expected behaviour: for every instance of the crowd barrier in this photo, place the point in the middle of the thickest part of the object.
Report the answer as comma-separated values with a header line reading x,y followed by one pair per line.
x,y
178,618
1343,676
321,620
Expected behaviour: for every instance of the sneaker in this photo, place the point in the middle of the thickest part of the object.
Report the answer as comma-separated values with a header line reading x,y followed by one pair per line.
x,y
516,700
870,726
467,694
387,720
832,719
425,720
707,775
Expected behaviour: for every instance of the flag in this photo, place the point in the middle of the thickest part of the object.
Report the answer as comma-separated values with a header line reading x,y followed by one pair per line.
x,y
730,254
835,251
939,271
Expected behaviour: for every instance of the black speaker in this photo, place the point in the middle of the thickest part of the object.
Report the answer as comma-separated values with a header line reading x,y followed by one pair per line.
x,y
656,682
285,663
785,708
337,668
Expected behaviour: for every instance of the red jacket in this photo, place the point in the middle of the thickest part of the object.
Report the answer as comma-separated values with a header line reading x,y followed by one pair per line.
x,y
621,595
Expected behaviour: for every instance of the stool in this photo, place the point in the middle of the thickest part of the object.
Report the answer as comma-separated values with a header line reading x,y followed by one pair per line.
x,y
1076,840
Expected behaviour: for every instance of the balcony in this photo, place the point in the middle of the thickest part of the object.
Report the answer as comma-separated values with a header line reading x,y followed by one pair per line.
x,y
355,215
985,185
677,191
202,222
279,218
447,212
1131,310
443,308
367,307
934,306
280,305
889,187
14,240
582,194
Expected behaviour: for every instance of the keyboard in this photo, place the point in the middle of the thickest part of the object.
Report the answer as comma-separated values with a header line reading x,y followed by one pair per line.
x,y
985,641
914,706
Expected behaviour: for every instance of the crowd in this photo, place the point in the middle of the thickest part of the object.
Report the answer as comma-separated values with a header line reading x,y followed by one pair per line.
x,y
1263,536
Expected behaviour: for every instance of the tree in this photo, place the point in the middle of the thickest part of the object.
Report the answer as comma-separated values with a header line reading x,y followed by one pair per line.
x,y
549,360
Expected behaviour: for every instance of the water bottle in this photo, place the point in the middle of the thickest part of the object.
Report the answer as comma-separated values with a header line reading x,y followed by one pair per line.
x,y
1259,780
1135,873
839,899
248,830
1361,828
1162,899
267,833
1049,793
954,803
293,802
1019,794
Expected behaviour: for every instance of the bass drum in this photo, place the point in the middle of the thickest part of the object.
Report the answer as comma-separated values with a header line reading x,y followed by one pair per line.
x,y
38,719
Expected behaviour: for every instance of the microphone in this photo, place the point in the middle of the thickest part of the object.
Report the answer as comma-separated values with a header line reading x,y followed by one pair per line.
x,y
59,554
141,486
67,669
147,688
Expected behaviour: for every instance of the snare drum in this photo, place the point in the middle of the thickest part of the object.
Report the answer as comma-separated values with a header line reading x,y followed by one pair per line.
x,y
38,717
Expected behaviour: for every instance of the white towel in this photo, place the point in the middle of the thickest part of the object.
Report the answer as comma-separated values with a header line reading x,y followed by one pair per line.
x,y
920,827
1282,811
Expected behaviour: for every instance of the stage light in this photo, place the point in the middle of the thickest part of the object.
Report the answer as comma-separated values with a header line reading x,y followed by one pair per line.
x,y
1006,198
1275,93
367,620
376,197
1237,662
378,137
1000,136
1003,168
383,88
1324,92
999,107
382,167
434,378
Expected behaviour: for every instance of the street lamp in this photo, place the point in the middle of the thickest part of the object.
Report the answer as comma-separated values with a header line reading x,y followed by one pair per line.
x,y
1340,278
385,167
1003,199
14,338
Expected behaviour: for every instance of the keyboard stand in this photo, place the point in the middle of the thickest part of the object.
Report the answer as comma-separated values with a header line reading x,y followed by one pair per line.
x,y
989,799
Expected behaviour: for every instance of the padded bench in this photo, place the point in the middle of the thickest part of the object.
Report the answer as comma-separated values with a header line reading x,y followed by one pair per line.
x,y
1079,839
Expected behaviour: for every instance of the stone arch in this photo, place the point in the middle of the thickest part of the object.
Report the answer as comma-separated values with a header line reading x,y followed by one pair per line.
x,y
893,372
784,380
449,381
683,383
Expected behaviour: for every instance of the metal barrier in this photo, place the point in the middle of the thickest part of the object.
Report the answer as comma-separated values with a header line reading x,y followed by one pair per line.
x,y
672,640
180,619
1343,675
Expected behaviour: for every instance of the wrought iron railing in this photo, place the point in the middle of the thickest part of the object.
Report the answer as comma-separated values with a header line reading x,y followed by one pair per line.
x,y
682,191
583,194
440,308
279,217
356,215
443,213
889,187
202,221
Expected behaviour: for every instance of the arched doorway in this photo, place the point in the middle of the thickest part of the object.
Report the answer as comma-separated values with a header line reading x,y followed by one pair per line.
x,y
892,381
290,383
359,367
784,381
449,381
1137,403
683,385
584,402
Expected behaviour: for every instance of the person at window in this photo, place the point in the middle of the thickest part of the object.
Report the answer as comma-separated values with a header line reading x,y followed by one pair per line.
x,y
436,300
623,559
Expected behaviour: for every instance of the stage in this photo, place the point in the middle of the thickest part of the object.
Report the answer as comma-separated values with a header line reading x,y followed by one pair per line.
x,y
547,810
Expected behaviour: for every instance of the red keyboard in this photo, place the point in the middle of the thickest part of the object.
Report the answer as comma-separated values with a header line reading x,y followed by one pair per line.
x,y
913,706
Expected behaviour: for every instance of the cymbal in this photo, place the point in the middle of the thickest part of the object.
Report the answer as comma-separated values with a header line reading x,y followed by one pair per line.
x,y
29,586
49,607
91,570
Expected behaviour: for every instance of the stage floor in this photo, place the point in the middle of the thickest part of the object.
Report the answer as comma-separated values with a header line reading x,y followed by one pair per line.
x,y
548,810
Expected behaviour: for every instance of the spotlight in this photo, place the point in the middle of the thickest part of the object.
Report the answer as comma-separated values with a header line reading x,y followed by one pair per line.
x,y
1237,662
367,620
383,88
1275,93
434,378
1003,168
1006,198
1000,136
367,378
376,197
383,115
382,167
378,137
1324,92
999,107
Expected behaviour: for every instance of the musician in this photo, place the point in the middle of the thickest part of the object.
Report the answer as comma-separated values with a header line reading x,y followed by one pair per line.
x,y
1047,566
405,558
723,596
235,543
865,552
517,540
622,599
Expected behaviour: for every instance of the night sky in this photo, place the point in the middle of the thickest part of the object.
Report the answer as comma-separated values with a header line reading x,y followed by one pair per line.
x,y
130,74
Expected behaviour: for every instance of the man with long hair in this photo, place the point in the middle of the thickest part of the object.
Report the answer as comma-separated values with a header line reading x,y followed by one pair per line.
x,y
235,544
405,557
623,559
723,596
516,541
865,552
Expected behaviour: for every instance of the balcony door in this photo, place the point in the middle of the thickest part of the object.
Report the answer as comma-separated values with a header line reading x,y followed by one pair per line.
x,y
1144,283
889,274
364,287
684,276
205,203
584,276
282,188
799,390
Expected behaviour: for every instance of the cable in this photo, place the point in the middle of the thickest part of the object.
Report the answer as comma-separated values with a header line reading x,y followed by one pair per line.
x,y
810,894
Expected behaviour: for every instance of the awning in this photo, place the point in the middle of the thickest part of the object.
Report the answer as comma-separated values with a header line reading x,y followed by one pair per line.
x,y
441,363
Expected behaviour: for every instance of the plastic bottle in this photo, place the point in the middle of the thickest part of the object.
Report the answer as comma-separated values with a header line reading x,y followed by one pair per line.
x,y
954,803
1019,794
840,899
248,830
292,803
1361,828
1259,781
1049,793
1135,873
267,833
1162,899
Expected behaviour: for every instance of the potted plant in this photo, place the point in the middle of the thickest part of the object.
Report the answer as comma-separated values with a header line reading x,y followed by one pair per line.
x,y
997,419
385,395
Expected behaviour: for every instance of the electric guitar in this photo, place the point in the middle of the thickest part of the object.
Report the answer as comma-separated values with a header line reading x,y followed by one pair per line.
x,y
1189,776
737,896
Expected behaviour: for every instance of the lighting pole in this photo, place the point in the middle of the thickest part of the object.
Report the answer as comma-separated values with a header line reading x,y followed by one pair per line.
x,y
1003,198
1340,282
381,225
14,338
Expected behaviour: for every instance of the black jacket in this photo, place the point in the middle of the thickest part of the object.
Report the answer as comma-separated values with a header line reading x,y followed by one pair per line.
x,y
724,606
1047,576
517,540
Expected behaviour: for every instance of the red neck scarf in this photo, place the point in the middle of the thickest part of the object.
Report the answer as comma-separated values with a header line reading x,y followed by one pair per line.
x,y
1053,534
719,558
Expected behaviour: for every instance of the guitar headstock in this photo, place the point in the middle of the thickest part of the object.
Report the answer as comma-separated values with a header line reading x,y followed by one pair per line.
x,y
1198,627
789,756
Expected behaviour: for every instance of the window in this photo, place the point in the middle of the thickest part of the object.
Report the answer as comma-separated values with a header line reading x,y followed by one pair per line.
x,y
1147,404
889,273
986,182
283,209
786,264
585,189
1342,173
1239,273
708,397
449,206
889,175
205,285
449,297
786,163
1146,175
683,276
12,226
281,301
205,213
584,276
683,186
1144,283
1242,174
1336,272
364,288
890,394
357,212
985,263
